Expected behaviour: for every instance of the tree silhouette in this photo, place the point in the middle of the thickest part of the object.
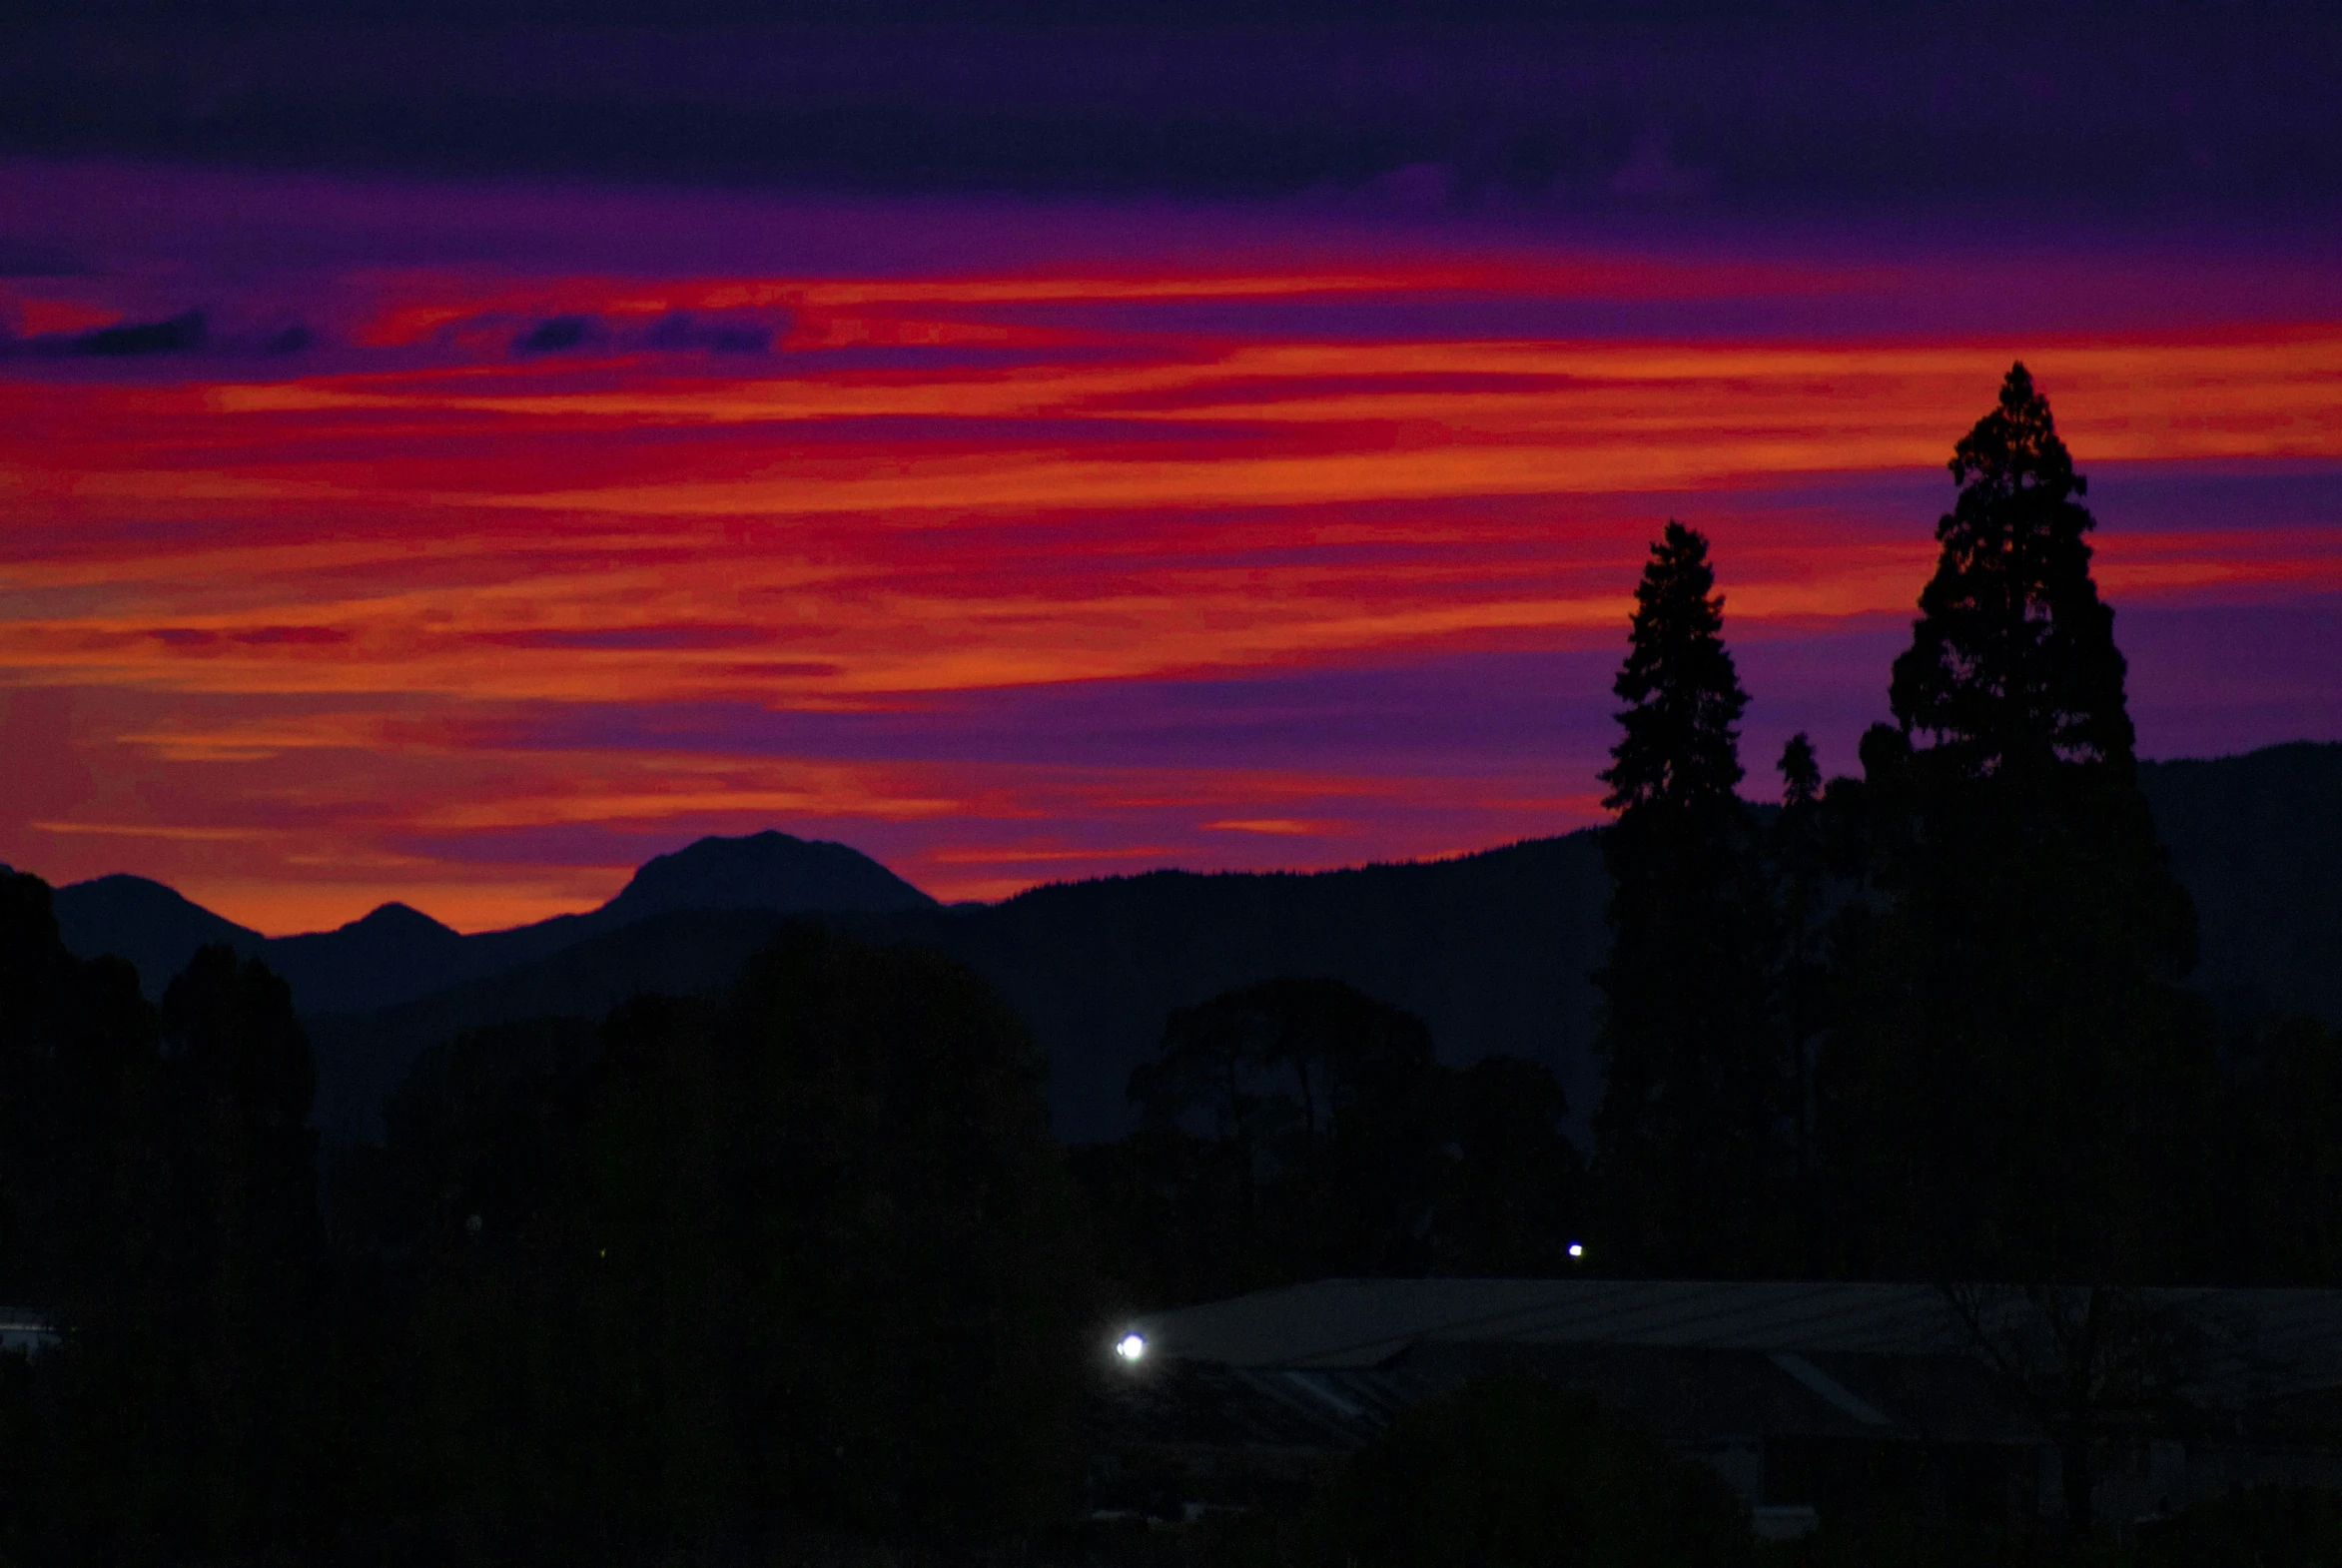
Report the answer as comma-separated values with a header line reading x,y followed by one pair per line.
x,y
1678,746
800,1257
158,1202
1306,1124
1800,874
2279,1155
2017,1086
1517,1471
1518,1189
77,1044
1297,1129
2012,665
80,1086
1689,1137
238,1270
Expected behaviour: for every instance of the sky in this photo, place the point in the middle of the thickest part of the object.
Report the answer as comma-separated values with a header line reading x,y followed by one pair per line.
x,y
454,460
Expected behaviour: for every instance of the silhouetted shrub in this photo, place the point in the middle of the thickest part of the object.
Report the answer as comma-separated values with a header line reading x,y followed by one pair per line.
x,y
1519,1474
797,1260
2261,1527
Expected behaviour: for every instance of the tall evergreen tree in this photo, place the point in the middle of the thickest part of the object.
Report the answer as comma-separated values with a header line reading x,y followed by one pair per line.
x,y
2013,666
1678,753
1690,1133
1799,873
2013,1068
241,1280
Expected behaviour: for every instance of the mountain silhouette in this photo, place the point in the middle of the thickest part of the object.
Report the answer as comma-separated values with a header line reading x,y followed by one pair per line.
x,y
396,954
361,1056
373,961
145,922
770,871
1494,951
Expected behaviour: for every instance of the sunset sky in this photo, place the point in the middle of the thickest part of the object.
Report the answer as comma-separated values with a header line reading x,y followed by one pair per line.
x,y
381,523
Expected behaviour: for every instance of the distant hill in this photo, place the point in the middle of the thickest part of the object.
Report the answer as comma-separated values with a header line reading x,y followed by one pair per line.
x,y
1494,951
396,954
145,922
371,962
764,870
361,1056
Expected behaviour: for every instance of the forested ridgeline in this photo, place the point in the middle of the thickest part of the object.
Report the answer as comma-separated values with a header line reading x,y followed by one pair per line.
x,y
1495,951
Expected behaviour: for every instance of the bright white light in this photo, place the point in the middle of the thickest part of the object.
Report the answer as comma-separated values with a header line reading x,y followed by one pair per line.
x,y
1131,1346
1577,1249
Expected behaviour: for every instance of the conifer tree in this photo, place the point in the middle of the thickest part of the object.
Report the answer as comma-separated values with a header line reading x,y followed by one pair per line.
x,y
1687,1136
2013,664
237,1278
2013,1068
1679,750
1798,867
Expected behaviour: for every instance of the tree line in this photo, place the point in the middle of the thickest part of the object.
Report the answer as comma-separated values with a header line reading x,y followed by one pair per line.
x,y
1925,1022
716,1279
1930,1021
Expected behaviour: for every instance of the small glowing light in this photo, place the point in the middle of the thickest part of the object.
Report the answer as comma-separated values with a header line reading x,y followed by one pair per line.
x,y
1131,1346
1577,1249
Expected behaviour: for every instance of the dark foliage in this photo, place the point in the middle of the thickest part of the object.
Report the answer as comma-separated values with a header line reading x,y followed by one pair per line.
x,y
1696,1112
717,1275
2013,666
160,1204
1517,1189
2277,1157
1521,1473
2257,842
1321,1108
2017,1082
1798,862
2257,1527
77,1046
1680,747
1297,1129
802,1258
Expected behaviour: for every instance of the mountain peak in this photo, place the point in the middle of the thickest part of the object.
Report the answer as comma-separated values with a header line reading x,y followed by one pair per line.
x,y
398,918
768,869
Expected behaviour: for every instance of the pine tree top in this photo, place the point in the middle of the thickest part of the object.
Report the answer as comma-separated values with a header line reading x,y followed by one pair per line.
x,y
1680,744
2012,664
2015,449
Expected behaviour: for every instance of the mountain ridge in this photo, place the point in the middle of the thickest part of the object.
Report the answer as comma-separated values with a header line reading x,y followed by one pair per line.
x,y
394,953
1494,950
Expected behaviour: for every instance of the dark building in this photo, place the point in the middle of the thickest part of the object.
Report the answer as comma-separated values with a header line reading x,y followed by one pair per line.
x,y
1809,1398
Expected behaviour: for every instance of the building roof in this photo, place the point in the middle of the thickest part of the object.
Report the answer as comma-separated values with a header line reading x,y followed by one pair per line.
x,y
2240,1345
23,1330
1363,1322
